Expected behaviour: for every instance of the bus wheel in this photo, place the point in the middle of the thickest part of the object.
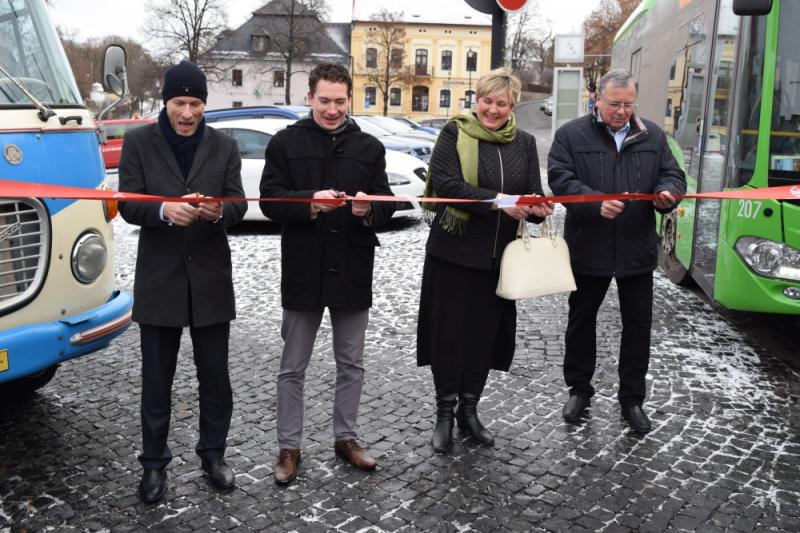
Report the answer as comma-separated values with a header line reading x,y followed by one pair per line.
x,y
27,385
672,267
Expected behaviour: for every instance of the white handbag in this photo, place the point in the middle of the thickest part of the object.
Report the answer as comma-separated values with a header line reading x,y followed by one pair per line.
x,y
535,266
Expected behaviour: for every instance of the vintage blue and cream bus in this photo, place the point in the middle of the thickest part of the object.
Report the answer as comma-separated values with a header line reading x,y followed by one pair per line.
x,y
57,297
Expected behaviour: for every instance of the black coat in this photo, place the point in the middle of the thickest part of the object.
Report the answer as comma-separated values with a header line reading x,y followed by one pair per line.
x,y
511,168
326,261
177,263
584,160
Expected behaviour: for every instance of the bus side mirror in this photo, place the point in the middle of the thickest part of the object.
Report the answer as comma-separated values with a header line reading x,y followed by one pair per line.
x,y
114,75
746,8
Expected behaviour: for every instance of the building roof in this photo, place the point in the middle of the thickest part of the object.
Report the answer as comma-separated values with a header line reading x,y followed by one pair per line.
x,y
270,21
450,12
341,34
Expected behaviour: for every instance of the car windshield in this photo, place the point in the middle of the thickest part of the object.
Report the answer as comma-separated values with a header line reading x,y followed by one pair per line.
x,y
31,53
391,125
368,127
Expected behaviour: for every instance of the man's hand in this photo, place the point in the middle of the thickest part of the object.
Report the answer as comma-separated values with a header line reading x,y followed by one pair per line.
x,y
211,211
664,200
360,209
326,208
611,209
182,213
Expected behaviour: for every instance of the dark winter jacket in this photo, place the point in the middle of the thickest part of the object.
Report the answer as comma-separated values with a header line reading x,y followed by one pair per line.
x,y
511,168
584,160
177,265
326,261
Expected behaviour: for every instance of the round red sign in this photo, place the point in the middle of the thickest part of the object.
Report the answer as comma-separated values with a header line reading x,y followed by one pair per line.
x,y
511,5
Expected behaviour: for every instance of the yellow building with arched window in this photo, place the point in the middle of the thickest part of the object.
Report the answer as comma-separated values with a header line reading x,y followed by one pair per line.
x,y
424,56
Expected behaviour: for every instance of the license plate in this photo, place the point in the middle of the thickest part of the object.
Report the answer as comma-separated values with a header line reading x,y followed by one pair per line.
x,y
3,360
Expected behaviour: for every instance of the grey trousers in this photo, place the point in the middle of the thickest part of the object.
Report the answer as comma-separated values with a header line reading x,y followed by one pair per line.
x,y
299,331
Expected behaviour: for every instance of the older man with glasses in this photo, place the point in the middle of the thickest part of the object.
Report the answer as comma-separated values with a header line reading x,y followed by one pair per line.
x,y
612,150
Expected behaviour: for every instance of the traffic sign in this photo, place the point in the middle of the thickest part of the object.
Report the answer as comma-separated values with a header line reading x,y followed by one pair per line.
x,y
511,5
486,6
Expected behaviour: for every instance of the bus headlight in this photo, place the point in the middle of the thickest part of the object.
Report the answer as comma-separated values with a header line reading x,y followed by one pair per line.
x,y
89,257
769,258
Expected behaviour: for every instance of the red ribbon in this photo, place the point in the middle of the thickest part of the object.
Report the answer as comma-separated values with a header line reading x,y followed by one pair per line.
x,y
18,189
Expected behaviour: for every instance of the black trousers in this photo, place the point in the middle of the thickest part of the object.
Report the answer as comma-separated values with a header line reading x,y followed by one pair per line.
x,y
636,308
159,358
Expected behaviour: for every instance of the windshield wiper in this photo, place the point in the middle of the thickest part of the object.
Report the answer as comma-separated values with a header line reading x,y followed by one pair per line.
x,y
44,112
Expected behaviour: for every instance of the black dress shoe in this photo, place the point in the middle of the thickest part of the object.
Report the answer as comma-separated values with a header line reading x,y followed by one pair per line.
x,y
221,474
574,408
153,485
637,418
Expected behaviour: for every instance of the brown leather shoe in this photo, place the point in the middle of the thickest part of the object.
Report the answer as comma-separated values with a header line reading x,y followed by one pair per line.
x,y
350,451
286,468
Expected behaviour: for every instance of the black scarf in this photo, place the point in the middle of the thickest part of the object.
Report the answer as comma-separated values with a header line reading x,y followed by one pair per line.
x,y
183,147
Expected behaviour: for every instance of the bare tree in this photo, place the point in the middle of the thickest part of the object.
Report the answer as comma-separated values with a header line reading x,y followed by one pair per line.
x,y
387,37
600,27
542,52
86,60
185,28
525,25
295,35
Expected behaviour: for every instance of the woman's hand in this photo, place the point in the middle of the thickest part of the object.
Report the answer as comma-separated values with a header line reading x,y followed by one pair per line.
x,y
521,212
517,212
540,210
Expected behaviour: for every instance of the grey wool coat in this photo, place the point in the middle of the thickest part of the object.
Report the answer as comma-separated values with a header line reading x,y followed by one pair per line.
x,y
183,274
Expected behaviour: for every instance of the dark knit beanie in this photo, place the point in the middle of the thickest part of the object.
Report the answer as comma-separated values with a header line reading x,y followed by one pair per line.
x,y
184,79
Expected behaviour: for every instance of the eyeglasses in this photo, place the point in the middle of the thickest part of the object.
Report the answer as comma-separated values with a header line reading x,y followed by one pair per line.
x,y
627,106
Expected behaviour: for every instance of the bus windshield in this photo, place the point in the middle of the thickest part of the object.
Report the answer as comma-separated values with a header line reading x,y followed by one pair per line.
x,y
784,162
31,53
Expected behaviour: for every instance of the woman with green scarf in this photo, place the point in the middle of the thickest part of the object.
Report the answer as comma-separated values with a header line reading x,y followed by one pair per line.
x,y
464,329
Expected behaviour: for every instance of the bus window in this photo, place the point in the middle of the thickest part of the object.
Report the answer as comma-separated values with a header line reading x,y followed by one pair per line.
x,y
717,111
784,148
686,89
748,103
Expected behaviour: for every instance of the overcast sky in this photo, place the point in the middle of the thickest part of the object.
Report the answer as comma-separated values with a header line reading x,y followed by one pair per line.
x,y
99,18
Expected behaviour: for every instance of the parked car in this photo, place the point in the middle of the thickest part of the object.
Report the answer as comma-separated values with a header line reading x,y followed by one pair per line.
x,y
233,113
434,123
547,106
406,173
420,149
396,128
415,126
115,134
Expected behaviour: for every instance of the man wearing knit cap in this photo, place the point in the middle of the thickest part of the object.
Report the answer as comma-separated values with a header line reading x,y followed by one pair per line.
x,y
183,269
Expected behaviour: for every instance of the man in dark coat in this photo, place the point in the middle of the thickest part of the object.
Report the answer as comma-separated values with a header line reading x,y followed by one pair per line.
x,y
327,254
183,269
612,150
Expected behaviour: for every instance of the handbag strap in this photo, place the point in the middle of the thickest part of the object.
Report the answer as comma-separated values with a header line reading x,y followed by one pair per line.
x,y
522,230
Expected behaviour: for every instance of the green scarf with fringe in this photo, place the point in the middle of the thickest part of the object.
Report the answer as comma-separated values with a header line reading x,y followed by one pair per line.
x,y
470,131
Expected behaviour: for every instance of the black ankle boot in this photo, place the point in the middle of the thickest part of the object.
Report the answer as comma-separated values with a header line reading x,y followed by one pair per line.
x,y
443,431
467,418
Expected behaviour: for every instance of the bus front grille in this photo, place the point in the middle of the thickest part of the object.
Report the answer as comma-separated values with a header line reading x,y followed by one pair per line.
x,y
24,250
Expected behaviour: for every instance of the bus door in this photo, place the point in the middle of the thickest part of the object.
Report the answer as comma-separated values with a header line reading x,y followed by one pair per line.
x,y
712,142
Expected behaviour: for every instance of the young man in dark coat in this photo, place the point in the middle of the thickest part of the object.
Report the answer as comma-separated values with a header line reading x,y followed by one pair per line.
x,y
327,253
183,269
612,150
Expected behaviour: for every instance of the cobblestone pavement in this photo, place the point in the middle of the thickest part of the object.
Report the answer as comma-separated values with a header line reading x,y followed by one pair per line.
x,y
724,454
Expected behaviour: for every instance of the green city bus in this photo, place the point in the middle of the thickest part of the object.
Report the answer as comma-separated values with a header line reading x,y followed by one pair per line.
x,y
726,90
